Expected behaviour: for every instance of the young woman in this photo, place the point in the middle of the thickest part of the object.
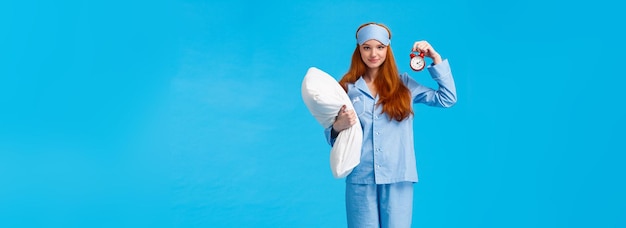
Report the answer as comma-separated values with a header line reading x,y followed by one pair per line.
x,y
379,191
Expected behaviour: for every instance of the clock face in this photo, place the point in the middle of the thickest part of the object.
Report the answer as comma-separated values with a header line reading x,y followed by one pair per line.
x,y
417,63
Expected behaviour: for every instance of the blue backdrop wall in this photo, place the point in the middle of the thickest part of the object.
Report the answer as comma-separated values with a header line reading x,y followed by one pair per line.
x,y
188,113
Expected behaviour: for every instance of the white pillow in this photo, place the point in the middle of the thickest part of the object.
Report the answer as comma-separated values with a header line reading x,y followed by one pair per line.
x,y
323,96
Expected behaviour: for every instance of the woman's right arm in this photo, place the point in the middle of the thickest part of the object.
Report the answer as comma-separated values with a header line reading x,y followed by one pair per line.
x,y
345,119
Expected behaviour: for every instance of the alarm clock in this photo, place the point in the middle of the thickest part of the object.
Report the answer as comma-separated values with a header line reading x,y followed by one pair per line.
x,y
417,61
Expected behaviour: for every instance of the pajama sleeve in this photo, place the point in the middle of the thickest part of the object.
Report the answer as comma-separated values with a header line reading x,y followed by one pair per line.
x,y
445,96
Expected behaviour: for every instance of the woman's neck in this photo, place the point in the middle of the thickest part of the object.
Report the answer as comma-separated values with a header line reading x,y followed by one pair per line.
x,y
370,75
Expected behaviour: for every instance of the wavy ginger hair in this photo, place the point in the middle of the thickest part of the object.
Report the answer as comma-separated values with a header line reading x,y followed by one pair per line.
x,y
394,96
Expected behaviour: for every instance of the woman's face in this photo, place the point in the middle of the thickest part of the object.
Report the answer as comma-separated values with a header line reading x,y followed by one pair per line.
x,y
373,53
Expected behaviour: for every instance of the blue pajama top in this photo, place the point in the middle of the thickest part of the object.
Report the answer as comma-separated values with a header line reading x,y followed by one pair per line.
x,y
388,154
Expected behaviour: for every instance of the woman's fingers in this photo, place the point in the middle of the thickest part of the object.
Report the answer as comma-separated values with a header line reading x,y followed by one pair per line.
x,y
345,119
342,109
428,50
352,117
421,46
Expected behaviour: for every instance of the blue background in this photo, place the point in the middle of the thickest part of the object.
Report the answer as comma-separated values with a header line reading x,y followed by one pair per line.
x,y
188,113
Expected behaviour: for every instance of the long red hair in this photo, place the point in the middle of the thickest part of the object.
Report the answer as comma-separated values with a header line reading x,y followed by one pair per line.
x,y
394,96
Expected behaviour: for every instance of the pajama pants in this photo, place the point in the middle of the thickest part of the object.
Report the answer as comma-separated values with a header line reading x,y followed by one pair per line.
x,y
379,205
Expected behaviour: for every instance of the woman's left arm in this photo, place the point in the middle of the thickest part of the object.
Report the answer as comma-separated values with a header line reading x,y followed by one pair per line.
x,y
440,71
